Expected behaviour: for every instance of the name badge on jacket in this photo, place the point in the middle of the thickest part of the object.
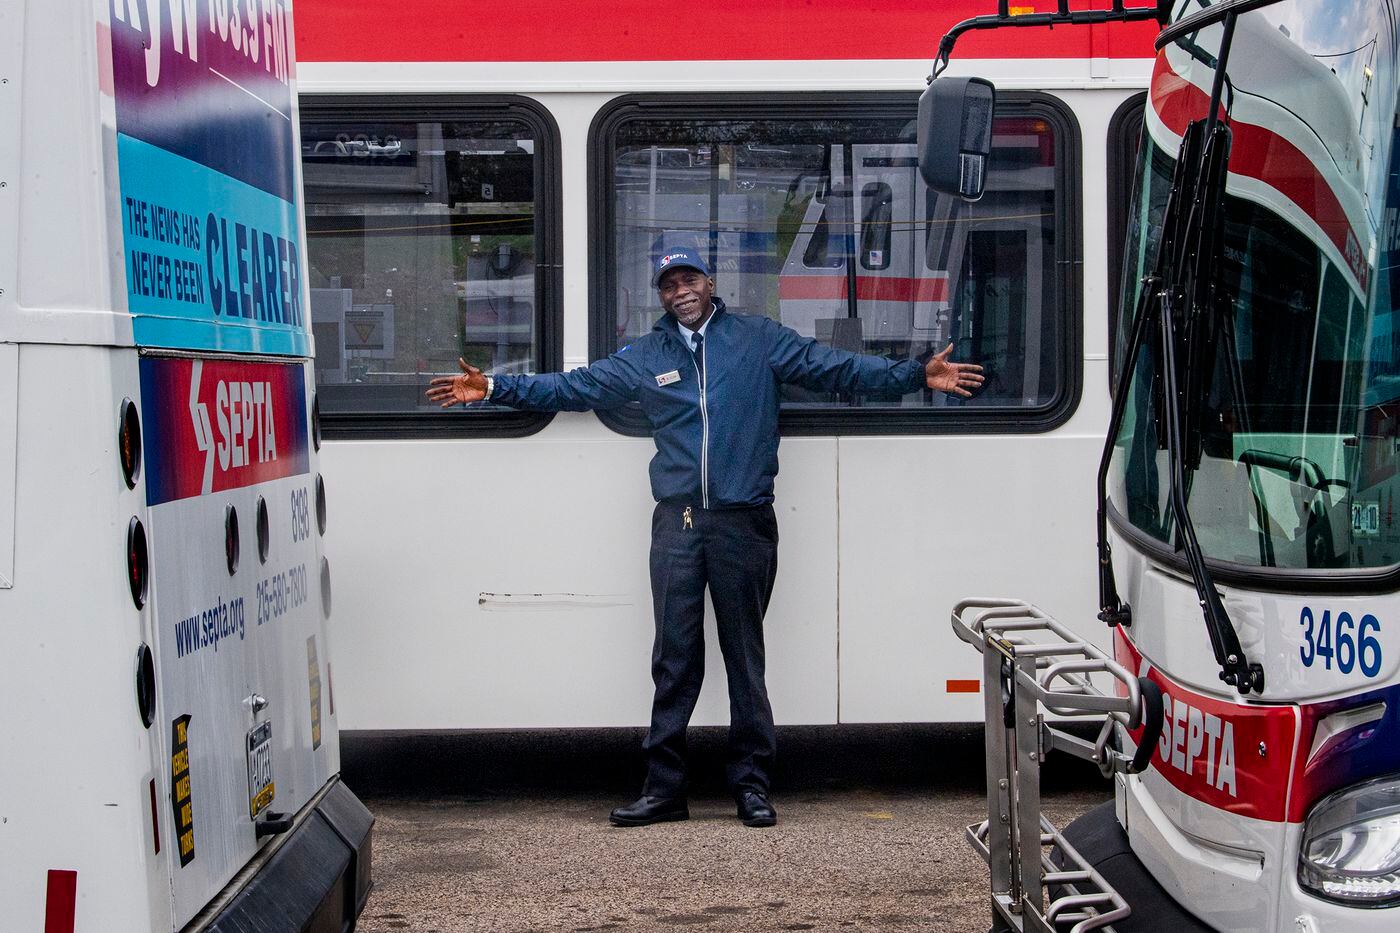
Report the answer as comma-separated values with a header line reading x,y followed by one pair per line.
x,y
666,379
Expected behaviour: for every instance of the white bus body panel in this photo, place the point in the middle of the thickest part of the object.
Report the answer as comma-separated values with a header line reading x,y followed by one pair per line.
x,y
497,639
81,772
879,535
223,639
74,782
1221,867
9,417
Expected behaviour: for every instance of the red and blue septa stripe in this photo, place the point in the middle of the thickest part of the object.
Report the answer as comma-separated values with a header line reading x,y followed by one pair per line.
x,y
1210,748
214,424
1274,774
1366,751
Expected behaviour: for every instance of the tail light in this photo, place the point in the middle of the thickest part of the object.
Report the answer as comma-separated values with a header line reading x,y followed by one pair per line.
x,y
138,562
129,442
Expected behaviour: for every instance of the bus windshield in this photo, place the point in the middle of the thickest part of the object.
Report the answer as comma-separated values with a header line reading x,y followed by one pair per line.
x,y
1295,400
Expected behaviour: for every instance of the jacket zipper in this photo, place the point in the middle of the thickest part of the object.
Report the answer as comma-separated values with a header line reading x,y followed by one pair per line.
x,y
703,377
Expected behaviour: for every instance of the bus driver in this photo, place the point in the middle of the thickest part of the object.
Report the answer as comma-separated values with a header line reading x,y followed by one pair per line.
x,y
715,425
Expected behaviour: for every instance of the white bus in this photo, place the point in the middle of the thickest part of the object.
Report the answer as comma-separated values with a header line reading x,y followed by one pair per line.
x,y
1248,514
169,731
480,186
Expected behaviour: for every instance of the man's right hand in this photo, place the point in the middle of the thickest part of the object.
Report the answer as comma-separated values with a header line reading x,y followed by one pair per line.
x,y
458,390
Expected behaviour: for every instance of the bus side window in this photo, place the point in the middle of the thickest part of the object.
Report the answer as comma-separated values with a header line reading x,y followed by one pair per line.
x,y
823,224
431,229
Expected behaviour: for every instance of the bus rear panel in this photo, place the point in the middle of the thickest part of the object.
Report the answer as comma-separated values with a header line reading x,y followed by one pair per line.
x,y
171,715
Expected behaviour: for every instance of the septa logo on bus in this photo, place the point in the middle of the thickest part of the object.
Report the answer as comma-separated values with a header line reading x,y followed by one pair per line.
x,y
214,425
1232,756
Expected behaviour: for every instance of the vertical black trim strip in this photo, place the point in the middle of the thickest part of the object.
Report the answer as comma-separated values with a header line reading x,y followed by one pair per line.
x,y
1124,137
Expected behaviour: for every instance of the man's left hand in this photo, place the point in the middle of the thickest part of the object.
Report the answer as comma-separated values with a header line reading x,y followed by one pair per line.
x,y
954,378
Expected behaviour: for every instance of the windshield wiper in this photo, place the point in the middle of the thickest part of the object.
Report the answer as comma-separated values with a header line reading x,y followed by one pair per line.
x,y
1180,297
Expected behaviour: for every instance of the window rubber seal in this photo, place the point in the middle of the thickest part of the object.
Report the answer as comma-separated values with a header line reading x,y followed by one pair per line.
x,y
1124,131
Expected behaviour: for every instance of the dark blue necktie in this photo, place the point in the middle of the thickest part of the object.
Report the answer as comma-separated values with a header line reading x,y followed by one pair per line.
x,y
699,355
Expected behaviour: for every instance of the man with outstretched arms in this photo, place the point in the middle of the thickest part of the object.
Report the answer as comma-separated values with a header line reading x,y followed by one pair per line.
x,y
708,382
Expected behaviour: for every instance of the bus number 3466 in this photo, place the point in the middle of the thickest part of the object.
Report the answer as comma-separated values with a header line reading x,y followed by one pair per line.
x,y
1347,642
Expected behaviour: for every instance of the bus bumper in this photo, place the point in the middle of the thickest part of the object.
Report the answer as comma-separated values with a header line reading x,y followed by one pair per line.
x,y
317,880
1100,839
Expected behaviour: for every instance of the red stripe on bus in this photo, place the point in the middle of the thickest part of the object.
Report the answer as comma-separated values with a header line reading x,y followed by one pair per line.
x,y
1259,153
61,901
705,30
964,686
1232,756
868,288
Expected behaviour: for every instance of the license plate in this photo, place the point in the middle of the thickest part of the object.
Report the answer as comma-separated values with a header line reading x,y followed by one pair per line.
x,y
261,790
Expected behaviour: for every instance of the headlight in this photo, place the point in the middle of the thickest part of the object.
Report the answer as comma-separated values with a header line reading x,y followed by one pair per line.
x,y
1351,845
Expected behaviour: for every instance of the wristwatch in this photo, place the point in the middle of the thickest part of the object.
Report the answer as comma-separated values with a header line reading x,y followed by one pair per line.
x,y
490,387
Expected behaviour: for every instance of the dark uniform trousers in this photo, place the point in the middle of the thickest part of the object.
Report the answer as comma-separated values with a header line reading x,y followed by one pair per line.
x,y
735,553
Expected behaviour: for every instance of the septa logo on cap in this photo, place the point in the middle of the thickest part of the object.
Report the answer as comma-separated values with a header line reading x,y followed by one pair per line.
x,y
680,256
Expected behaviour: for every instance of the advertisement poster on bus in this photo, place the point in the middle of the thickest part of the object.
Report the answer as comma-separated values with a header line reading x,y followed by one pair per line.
x,y
206,161
244,424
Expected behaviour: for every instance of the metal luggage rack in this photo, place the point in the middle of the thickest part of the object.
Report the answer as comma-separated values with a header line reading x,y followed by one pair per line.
x,y
1037,662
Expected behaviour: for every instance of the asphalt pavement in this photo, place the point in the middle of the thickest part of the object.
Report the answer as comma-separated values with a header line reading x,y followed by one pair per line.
x,y
508,832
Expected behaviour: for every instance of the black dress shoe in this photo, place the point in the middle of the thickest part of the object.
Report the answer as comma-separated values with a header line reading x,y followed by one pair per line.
x,y
755,810
648,810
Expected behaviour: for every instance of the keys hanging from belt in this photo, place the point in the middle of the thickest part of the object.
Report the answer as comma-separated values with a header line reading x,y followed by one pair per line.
x,y
686,520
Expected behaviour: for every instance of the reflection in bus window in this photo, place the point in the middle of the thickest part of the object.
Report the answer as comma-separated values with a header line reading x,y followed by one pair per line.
x,y
422,249
826,250
826,226
1297,425
875,226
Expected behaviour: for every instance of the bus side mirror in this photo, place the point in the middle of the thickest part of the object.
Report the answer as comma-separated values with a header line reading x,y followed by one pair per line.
x,y
955,135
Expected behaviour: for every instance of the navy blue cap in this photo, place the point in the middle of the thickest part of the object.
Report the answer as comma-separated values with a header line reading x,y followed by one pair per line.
x,y
676,258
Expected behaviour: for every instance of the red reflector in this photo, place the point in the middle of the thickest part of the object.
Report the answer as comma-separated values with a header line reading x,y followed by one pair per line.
x,y
155,817
62,901
964,686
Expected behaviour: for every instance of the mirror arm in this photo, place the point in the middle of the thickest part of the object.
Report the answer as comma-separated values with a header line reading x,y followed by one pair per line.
x,y
1063,16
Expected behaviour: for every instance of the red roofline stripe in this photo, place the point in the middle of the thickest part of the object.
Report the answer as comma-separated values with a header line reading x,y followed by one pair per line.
x,y
703,30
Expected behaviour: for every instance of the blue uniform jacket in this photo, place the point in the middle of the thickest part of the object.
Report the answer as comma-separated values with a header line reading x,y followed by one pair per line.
x,y
716,437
